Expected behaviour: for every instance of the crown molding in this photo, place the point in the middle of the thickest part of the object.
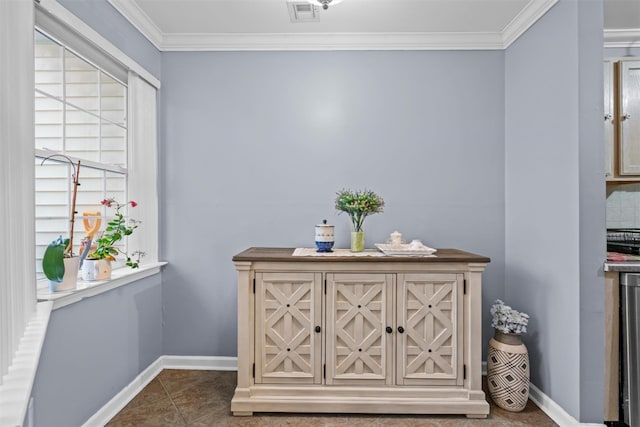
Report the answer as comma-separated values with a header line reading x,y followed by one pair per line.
x,y
622,38
140,20
528,16
332,41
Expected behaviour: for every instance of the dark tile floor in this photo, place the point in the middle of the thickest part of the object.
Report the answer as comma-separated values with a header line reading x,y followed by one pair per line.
x,y
202,398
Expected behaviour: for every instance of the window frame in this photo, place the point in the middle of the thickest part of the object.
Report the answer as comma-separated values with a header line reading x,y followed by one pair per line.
x,y
56,22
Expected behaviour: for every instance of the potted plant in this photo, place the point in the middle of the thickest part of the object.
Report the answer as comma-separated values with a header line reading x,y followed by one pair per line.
x,y
358,205
508,358
59,264
97,265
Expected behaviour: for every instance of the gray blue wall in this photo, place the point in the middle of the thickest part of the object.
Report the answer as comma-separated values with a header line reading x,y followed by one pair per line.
x,y
555,202
255,145
94,349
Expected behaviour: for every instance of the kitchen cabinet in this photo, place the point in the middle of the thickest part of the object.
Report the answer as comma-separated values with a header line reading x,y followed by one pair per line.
x,y
622,120
359,334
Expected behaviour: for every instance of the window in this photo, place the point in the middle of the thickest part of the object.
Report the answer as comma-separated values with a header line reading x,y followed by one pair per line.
x,y
95,105
80,114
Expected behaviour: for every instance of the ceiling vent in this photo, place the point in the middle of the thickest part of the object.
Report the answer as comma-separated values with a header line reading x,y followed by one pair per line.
x,y
302,11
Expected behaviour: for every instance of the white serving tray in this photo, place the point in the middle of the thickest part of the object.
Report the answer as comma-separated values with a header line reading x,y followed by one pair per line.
x,y
403,249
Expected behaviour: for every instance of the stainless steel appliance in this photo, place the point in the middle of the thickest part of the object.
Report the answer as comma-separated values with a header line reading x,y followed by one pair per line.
x,y
630,357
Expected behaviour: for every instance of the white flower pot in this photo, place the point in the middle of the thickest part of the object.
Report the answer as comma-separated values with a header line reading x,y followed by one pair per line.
x,y
70,278
96,269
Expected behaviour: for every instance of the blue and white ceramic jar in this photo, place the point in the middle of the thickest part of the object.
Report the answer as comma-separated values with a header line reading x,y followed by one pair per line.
x,y
324,237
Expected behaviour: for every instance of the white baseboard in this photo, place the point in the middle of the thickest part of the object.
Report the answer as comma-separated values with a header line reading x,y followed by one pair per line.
x,y
548,406
120,400
215,363
207,363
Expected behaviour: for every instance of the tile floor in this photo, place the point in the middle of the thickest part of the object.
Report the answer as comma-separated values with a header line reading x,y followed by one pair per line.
x,y
202,398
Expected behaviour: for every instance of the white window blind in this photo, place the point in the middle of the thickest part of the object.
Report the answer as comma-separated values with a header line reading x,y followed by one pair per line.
x,y
80,114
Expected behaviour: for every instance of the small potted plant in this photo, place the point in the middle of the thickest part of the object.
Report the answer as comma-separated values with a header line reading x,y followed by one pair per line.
x,y
508,358
358,205
97,265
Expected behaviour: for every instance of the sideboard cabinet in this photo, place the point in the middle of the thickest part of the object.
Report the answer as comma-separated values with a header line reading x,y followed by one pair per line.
x,y
359,334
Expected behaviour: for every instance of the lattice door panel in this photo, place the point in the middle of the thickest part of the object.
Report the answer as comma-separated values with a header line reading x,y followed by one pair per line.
x,y
288,310
359,309
429,311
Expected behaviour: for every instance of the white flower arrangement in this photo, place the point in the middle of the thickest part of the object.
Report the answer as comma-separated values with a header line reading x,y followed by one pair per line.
x,y
508,320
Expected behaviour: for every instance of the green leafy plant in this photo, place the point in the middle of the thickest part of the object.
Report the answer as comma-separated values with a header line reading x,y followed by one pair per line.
x,y
116,230
54,254
53,259
358,205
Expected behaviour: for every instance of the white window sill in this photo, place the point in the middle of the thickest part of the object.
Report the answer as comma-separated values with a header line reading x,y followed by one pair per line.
x,y
119,277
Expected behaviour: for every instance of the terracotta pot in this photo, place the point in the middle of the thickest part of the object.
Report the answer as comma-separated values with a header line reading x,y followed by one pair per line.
x,y
508,371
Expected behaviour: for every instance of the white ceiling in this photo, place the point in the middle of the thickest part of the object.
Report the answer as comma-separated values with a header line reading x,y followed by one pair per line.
x,y
353,24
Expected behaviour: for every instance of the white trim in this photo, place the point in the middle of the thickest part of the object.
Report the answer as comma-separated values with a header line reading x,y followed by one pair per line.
x,y
15,390
525,19
548,406
120,400
59,12
622,38
120,277
332,41
206,363
553,410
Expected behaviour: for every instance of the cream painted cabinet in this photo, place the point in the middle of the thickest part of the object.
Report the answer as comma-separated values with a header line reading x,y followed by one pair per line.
x,y
608,119
629,118
622,120
346,334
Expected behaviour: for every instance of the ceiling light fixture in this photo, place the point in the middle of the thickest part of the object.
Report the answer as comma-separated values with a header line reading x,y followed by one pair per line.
x,y
325,3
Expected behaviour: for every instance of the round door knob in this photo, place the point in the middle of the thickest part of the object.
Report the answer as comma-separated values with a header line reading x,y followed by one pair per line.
x,y
400,329
626,116
389,329
318,328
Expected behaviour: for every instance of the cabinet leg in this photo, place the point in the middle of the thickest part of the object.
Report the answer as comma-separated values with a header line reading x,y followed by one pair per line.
x,y
242,414
476,415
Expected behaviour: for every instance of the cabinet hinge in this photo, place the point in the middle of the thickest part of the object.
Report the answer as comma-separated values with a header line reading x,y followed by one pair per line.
x,y
464,286
254,285
464,372
324,371
253,371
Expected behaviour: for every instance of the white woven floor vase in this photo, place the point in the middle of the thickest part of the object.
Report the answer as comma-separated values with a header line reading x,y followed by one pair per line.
x,y
508,371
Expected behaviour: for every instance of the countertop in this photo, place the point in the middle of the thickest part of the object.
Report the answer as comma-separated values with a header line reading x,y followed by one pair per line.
x,y
285,254
624,263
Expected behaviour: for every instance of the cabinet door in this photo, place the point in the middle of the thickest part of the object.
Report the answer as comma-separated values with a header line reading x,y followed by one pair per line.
x,y
608,119
288,310
430,342
359,348
629,117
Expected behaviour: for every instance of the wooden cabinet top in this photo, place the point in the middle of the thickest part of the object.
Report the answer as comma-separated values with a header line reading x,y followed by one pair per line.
x,y
286,254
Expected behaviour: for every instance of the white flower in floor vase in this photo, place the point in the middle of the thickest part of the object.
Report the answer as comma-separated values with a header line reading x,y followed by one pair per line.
x,y
508,370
